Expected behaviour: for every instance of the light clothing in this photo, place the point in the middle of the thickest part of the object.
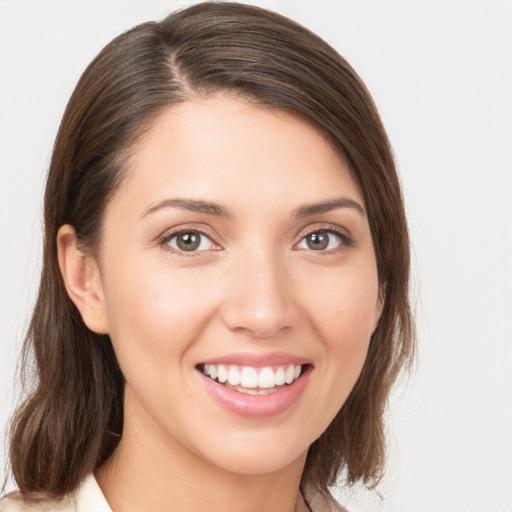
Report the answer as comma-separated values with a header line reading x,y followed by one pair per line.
x,y
89,498
319,503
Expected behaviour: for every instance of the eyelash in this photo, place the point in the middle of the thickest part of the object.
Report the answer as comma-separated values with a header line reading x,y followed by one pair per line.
x,y
164,240
346,239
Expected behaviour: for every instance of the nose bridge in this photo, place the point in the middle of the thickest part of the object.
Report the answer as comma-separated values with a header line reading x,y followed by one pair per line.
x,y
261,300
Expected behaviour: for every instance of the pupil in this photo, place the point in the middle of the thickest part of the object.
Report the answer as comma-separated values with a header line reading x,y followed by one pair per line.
x,y
188,241
318,241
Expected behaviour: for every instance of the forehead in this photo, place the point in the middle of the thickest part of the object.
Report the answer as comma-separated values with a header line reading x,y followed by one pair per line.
x,y
229,149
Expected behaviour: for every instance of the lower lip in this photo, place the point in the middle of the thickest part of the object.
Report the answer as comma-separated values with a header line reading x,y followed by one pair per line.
x,y
256,406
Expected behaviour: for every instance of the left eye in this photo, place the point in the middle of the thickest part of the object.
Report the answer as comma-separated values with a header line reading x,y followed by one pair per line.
x,y
320,241
190,241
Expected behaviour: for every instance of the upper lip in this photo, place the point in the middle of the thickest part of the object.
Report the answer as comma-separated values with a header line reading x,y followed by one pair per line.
x,y
258,360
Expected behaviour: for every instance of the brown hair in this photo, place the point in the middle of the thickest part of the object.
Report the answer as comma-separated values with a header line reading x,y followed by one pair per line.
x,y
71,422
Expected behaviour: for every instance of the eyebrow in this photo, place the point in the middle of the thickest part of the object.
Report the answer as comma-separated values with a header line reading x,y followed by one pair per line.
x,y
196,205
327,206
193,205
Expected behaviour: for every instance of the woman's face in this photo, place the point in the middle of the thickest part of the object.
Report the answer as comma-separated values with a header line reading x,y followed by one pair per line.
x,y
237,246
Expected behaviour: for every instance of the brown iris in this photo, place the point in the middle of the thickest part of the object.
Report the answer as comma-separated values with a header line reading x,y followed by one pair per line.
x,y
188,241
317,241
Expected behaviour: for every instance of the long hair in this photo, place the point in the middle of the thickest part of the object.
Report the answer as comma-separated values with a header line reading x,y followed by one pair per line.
x,y
72,420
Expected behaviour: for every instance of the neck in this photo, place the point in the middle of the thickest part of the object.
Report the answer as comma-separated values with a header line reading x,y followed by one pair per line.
x,y
149,475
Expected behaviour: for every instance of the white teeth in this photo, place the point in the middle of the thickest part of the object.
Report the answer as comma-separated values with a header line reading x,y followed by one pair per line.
x,y
247,391
251,391
266,391
290,373
253,381
249,377
280,377
233,376
222,373
266,378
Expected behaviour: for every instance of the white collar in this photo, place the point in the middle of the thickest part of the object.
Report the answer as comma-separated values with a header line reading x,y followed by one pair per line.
x,y
89,497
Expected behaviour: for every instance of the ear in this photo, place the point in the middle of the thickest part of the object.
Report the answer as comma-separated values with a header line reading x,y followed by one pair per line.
x,y
82,280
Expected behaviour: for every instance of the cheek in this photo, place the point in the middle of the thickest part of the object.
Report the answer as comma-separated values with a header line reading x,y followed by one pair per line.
x,y
156,316
344,313
155,313
344,305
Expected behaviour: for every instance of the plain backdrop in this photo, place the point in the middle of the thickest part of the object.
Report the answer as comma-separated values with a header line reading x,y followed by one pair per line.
x,y
441,74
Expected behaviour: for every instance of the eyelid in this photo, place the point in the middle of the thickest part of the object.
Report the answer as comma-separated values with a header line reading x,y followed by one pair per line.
x,y
343,233
166,236
324,227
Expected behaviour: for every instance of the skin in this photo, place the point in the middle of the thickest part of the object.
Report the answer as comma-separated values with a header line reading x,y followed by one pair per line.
x,y
254,287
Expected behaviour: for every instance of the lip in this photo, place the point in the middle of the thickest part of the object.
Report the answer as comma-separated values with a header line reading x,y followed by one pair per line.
x,y
256,406
258,360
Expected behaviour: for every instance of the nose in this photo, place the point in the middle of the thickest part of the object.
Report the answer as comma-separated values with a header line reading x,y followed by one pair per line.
x,y
261,301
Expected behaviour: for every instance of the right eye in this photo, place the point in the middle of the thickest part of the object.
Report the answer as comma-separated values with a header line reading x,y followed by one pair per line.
x,y
322,240
189,241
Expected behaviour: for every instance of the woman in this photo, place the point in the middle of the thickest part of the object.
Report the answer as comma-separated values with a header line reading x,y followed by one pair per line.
x,y
224,299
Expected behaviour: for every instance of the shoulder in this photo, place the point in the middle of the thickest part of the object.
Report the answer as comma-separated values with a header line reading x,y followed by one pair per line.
x,y
14,502
318,502
87,498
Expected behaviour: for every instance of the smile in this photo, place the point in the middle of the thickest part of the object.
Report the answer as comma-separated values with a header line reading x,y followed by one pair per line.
x,y
251,380
255,386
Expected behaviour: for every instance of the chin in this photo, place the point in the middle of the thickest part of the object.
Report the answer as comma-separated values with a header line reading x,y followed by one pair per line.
x,y
257,454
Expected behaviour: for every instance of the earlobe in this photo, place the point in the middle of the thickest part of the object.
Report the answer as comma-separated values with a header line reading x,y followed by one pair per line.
x,y
82,280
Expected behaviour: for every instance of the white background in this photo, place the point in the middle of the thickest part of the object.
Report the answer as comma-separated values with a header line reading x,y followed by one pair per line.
x,y
441,74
